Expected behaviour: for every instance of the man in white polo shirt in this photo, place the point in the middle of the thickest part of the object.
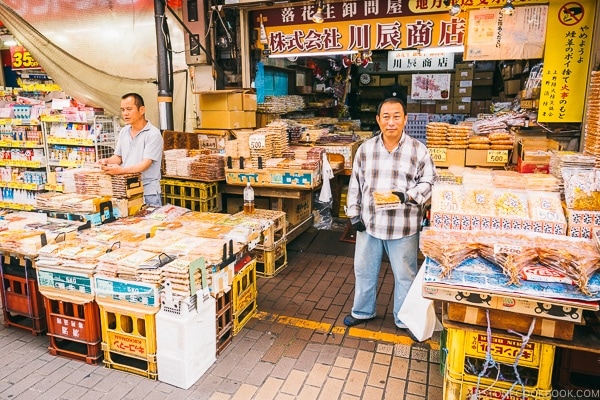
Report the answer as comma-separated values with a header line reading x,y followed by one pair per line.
x,y
139,149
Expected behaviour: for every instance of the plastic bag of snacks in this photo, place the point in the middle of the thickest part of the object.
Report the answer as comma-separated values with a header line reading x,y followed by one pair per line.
x,y
582,188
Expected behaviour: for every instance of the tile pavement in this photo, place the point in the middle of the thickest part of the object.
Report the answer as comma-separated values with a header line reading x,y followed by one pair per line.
x,y
296,348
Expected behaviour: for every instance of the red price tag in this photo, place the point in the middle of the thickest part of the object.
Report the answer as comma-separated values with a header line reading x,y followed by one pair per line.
x,y
22,59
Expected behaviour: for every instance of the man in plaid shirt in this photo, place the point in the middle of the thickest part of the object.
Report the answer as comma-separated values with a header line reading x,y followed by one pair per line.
x,y
389,162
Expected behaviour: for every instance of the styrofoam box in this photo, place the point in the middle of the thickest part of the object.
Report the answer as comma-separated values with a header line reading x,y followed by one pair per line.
x,y
186,344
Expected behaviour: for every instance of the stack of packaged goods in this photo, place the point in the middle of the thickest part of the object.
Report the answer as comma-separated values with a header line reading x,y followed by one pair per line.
x,y
498,255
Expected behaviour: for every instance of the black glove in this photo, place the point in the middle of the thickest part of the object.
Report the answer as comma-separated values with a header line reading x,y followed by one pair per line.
x,y
357,224
401,196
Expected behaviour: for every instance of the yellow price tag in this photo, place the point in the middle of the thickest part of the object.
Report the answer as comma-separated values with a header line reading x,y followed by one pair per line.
x,y
438,153
497,156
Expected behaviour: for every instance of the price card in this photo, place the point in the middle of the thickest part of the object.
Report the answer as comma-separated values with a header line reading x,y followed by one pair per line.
x,y
497,156
21,58
507,249
438,153
257,141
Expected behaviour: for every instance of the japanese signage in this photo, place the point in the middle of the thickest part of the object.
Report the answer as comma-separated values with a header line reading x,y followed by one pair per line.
x,y
430,87
391,31
562,91
413,60
21,59
65,281
492,35
366,25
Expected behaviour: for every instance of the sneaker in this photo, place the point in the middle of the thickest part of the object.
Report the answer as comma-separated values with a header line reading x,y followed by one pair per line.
x,y
349,320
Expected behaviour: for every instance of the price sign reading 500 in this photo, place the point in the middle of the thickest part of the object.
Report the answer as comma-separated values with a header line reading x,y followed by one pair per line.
x,y
22,59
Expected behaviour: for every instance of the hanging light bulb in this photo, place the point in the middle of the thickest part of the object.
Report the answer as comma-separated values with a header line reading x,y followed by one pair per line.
x,y
317,17
454,10
508,8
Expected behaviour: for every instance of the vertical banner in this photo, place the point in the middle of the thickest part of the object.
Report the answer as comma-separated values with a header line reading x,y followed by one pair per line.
x,y
566,62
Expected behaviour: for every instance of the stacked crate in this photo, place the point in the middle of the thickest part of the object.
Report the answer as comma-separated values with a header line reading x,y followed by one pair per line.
x,y
244,294
128,320
72,313
195,196
471,368
224,320
271,252
23,305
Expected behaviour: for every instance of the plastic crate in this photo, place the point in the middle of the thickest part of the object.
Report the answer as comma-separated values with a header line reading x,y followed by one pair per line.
x,y
224,320
74,330
203,205
466,357
23,304
241,318
457,389
129,340
270,261
244,287
189,189
275,225
577,369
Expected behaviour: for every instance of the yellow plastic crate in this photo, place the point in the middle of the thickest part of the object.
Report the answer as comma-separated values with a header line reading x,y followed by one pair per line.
x,y
242,317
271,261
188,189
194,204
244,287
466,358
457,389
129,340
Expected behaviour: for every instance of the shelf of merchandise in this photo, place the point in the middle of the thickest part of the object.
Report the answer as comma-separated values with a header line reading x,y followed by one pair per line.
x,y
74,144
22,163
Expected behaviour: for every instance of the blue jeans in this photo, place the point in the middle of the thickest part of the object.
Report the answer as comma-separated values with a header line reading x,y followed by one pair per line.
x,y
367,263
153,200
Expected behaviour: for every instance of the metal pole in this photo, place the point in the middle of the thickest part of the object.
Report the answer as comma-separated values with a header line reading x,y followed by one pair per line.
x,y
165,67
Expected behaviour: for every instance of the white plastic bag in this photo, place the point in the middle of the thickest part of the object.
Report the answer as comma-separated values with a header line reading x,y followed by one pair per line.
x,y
417,312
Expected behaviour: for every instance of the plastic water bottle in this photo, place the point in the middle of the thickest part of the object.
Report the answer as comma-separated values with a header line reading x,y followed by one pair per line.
x,y
248,199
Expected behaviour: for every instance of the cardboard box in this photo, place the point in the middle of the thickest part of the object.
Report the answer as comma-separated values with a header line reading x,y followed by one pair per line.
x,y
479,158
534,155
462,84
274,177
443,107
249,101
126,207
387,80
427,106
482,93
443,157
221,100
501,319
483,78
460,91
414,107
464,71
296,210
478,107
227,119
405,79
512,87
459,107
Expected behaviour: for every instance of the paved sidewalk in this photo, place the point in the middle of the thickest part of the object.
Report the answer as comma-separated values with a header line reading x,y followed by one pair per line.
x,y
296,347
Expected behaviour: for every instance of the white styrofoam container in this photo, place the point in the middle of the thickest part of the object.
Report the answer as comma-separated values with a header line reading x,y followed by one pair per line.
x,y
186,343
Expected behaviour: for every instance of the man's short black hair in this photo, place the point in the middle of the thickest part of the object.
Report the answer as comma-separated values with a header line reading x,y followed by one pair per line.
x,y
137,99
392,100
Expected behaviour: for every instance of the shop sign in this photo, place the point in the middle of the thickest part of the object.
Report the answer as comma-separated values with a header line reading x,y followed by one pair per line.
x,y
414,60
22,59
386,33
562,87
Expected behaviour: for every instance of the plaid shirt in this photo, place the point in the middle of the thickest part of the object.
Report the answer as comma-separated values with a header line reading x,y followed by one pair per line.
x,y
408,169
